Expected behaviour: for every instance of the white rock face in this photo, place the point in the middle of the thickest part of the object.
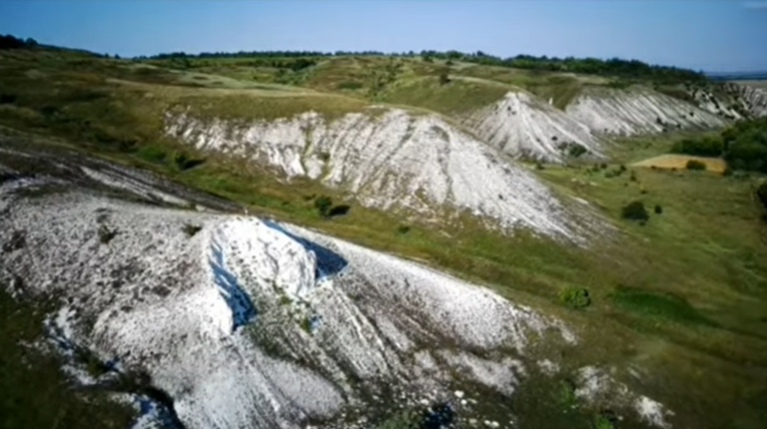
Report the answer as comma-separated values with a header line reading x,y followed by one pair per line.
x,y
754,99
198,313
247,323
637,111
396,161
523,126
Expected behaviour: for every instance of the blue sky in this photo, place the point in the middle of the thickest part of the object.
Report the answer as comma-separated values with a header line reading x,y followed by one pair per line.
x,y
711,35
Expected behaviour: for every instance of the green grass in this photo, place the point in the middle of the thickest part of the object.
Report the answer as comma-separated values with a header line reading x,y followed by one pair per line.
x,y
457,96
34,393
657,305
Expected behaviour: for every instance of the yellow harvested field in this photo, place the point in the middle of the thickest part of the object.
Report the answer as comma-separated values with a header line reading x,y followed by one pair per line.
x,y
679,162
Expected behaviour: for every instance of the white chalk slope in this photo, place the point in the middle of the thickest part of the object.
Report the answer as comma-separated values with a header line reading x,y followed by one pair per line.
x,y
247,323
525,127
393,161
637,110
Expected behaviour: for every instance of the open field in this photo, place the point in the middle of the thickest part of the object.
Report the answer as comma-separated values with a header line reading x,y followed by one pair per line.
x,y
679,162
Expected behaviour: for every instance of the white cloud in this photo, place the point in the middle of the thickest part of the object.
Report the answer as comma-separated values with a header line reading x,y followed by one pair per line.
x,y
755,5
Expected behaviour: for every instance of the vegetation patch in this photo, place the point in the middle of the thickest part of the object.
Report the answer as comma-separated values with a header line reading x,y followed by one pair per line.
x,y
34,393
636,211
191,230
574,297
658,305
695,165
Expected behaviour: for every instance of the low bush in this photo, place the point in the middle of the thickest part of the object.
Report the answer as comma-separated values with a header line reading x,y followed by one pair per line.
x,y
695,165
635,210
574,297
658,209
761,193
191,230
323,205
702,147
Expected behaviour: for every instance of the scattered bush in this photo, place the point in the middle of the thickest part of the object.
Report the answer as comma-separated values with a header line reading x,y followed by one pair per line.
x,y
403,229
574,297
658,209
106,234
695,165
635,210
323,204
191,230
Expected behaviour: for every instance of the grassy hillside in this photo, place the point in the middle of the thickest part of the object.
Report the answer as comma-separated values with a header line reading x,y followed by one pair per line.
x,y
679,299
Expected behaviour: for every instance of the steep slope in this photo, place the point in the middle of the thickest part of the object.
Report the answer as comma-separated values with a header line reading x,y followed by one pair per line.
x,y
525,127
637,110
242,322
390,159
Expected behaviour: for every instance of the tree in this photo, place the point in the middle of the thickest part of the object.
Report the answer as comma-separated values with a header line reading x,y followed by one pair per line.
x,y
635,210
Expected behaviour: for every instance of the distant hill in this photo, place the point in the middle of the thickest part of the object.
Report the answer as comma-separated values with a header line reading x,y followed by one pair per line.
x,y
761,75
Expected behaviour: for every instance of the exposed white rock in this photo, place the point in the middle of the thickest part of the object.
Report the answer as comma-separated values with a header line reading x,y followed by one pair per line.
x,y
393,161
653,412
522,126
196,313
637,110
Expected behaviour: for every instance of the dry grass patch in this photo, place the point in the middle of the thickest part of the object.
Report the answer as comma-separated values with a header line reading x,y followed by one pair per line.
x,y
679,162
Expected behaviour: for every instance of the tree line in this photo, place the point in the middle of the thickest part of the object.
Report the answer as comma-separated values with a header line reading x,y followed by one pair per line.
x,y
632,69
11,42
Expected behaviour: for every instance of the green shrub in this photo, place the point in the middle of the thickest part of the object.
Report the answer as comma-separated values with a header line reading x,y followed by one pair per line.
x,y
350,85
695,165
403,229
605,420
323,204
706,146
658,209
635,210
574,297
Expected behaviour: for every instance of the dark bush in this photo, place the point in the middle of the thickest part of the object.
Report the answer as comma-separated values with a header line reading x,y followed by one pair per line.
x,y
339,210
444,79
761,193
658,209
702,147
191,230
106,234
695,165
403,229
7,98
574,297
635,210
323,204
184,162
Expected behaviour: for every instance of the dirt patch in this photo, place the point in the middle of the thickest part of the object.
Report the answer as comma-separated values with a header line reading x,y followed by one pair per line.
x,y
679,162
